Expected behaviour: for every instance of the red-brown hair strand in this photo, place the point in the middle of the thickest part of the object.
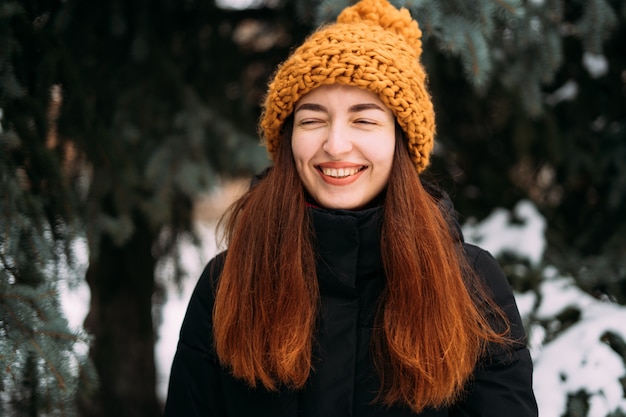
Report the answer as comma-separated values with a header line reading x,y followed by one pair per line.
x,y
430,331
266,302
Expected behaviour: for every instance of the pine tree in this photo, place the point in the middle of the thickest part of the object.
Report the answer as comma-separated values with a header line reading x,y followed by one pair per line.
x,y
44,363
508,41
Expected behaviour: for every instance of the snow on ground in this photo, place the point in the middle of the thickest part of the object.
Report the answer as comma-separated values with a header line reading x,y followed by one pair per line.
x,y
499,234
578,359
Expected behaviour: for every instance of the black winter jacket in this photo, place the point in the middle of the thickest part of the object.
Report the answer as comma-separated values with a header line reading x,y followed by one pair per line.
x,y
343,382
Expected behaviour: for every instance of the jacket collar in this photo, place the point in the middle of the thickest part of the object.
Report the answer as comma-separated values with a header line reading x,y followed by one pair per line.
x,y
348,247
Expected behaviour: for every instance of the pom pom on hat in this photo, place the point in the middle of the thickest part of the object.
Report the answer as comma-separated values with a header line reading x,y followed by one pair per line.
x,y
383,14
373,46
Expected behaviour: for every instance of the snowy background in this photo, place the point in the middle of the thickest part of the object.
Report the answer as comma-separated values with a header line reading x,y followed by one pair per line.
x,y
572,360
578,359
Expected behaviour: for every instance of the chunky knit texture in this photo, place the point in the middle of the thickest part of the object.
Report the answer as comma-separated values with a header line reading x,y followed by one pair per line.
x,y
373,46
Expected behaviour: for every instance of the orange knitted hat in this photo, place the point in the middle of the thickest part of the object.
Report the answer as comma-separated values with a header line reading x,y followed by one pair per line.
x,y
373,46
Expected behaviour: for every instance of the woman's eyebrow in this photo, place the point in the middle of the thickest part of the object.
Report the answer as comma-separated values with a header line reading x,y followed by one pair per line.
x,y
310,106
352,109
365,106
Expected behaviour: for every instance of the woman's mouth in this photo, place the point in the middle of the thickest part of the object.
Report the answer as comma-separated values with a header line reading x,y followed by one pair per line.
x,y
340,172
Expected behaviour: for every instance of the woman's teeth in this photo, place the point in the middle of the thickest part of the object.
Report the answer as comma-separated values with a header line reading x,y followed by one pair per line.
x,y
340,172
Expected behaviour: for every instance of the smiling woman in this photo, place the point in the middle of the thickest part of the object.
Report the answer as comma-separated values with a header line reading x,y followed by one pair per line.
x,y
347,288
343,143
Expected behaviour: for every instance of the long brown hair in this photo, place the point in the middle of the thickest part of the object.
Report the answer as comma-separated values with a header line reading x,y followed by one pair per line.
x,y
432,324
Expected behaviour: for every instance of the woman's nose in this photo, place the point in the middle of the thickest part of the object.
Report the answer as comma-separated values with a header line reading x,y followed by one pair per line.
x,y
337,142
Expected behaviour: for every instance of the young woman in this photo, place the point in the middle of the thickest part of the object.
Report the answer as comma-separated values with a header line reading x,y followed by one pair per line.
x,y
347,289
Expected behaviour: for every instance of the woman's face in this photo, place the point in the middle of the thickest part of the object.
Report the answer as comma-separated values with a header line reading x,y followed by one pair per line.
x,y
343,142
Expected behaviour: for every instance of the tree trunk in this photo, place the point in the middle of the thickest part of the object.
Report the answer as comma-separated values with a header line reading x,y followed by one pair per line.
x,y
121,279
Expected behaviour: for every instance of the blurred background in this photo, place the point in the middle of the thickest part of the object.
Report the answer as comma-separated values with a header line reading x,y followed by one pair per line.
x,y
126,127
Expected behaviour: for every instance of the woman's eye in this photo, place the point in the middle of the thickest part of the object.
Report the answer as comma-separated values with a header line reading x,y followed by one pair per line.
x,y
309,122
365,122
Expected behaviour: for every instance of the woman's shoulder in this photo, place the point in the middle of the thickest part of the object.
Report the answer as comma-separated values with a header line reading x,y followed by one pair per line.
x,y
203,296
479,257
212,270
490,271
196,330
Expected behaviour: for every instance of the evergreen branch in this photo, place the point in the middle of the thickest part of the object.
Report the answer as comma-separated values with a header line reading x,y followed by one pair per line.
x,y
16,318
12,270
8,368
506,6
51,366
37,347
25,331
49,293
31,301
474,55
59,335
